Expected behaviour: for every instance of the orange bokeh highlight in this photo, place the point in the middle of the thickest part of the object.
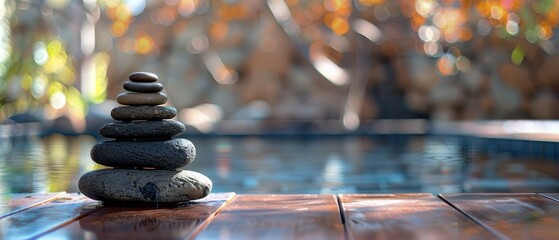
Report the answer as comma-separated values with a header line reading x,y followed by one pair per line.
x,y
372,2
230,12
144,44
545,30
339,25
219,30
119,28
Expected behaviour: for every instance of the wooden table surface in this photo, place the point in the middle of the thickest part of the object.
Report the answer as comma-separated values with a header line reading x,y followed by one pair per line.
x,y
297,216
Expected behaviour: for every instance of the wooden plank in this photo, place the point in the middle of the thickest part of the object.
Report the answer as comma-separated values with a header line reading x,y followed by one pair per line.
x,y
13,203
517,216
278,217
554,196
112,222
406,216
40,219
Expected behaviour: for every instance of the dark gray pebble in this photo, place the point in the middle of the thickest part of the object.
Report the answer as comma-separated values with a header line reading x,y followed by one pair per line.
x,y
144,186
143,77
143,87
129,113
169,154
164,129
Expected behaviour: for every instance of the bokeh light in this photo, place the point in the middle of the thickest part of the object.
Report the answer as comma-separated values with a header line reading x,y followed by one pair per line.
x,y
446,65
223,46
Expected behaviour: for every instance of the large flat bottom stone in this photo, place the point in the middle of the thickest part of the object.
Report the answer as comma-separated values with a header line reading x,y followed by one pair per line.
x,y
144,186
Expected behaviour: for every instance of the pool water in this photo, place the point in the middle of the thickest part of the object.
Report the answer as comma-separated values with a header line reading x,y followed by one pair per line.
x,y
305,164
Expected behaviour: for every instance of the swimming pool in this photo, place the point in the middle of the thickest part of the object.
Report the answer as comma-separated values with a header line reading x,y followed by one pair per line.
x,y
310,164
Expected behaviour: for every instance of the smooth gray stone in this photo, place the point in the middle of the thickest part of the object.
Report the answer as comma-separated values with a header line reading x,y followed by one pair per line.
x,y
169,154
144,186
143,77
143,87
139,99
164,129
129,113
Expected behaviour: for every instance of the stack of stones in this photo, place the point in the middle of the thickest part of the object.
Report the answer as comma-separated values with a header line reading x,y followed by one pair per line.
x,y
145,156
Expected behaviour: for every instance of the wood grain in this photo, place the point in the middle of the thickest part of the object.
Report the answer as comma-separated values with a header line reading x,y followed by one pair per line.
x,y
278,217
178,222
406,216
554,196
13,203
43,218
516,216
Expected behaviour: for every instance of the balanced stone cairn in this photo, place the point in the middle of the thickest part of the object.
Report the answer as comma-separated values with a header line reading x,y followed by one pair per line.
x,y
145,157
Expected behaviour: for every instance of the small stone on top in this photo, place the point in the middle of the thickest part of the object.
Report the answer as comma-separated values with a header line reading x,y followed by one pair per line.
x,y
143,77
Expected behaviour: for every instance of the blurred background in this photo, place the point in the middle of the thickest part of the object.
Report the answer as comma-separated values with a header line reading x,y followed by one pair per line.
x,y
302,61
470,70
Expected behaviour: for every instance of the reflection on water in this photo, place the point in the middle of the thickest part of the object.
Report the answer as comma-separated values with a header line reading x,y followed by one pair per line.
x,y
50,164
353,164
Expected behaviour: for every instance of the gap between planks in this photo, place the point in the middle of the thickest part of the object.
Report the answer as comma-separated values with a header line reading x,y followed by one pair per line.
x,y
513,215
285,216
405,216
552,196
441,216
209,219
40,219
487,227
213,217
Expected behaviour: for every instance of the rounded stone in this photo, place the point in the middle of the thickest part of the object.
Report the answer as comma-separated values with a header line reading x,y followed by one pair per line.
x,y
130,113
143,77
169,154
139,99
142,129
143,87
144,186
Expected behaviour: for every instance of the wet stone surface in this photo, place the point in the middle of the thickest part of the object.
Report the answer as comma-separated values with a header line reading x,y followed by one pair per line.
x,y
138,99
144,186
130,113
170,154
164,129
143,87
143,77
